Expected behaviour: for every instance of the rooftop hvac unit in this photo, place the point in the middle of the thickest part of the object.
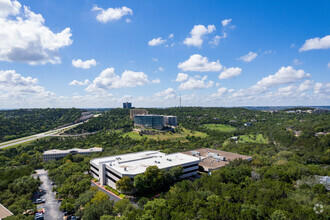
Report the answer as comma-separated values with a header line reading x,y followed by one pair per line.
x,y
169,159
195,153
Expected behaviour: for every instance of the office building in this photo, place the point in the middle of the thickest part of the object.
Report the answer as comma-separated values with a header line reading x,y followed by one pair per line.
x,y
134,112
149,121
59,154
170,120
127,105
108,170
212,159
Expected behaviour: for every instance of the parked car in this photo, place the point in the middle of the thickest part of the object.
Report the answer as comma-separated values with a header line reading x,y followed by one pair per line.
x,y
39,216
39,201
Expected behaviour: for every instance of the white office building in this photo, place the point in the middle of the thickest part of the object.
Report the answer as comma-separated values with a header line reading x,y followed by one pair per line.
x,y
59,154
108,170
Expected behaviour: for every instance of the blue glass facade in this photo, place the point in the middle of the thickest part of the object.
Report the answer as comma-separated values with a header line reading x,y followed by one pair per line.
x,y
149,121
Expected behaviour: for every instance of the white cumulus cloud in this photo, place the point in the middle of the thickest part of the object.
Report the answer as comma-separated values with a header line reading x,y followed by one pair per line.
x,y
79,83
167,94
284,75
196,83
225,22
16,85
197,33
155,81
84,64
156,41
199,63
109,80
8,7
322,89
25,38
316,43
182,77
112,14
230,72
249,57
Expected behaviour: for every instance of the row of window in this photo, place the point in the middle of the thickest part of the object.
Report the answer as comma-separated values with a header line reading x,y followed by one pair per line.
x,y
111,179
95,167
116,175
95,173
193,165
190,171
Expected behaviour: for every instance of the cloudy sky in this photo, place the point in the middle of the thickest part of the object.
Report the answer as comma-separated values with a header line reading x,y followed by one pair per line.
x,y
84,53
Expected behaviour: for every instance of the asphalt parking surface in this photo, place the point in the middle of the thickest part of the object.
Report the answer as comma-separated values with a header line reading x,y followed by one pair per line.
x,y
51,205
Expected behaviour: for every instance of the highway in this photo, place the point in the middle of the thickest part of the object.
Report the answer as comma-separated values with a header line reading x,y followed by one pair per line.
x,y
36,136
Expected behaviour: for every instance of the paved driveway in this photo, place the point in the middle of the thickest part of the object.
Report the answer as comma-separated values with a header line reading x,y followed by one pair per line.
x,y
51,205
112,197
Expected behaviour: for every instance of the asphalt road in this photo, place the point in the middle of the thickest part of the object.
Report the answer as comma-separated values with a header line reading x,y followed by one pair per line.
x,y
36,136
111,196
51,205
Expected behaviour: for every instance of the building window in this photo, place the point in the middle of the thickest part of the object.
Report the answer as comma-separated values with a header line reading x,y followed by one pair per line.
x,y
95,173
114,181
193,165
94,167
116,175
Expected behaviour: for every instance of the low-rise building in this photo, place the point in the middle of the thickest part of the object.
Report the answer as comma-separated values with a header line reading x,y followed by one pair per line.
x,y
59,154
134,112
108,170
212,159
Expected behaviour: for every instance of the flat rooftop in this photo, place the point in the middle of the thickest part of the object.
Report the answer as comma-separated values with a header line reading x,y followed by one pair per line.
x,y
74,150
209,163
136,163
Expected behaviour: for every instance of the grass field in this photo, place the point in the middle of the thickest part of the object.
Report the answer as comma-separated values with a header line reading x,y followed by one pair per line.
x,y
220,127
252,139
167,135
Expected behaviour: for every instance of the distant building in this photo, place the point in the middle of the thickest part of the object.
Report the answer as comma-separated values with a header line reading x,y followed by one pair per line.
x,y
108,170
4,212
127,105
170,120
212,159
134,112
321,111
149,121
59,154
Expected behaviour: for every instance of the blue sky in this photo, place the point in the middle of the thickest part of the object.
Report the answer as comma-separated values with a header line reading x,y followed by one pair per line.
x,y
213,53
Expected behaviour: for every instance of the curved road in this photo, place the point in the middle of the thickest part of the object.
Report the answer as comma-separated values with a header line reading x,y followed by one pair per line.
x,y
36,136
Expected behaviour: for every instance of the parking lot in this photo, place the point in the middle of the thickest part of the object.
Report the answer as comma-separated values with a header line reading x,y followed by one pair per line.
x,y
51,205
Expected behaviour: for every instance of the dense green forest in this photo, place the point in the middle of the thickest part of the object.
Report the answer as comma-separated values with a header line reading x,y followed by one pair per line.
x,y
277,184
24,122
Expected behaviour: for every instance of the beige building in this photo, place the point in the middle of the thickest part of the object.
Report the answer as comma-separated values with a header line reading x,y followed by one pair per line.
x,y
59,154
4,212
134,112
212,159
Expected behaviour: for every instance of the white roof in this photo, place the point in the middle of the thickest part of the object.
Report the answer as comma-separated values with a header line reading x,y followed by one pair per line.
x,y
136,163
76,150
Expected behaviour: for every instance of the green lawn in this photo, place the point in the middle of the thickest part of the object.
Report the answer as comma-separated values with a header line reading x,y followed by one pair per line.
x,y
167,135
252,139
220,127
